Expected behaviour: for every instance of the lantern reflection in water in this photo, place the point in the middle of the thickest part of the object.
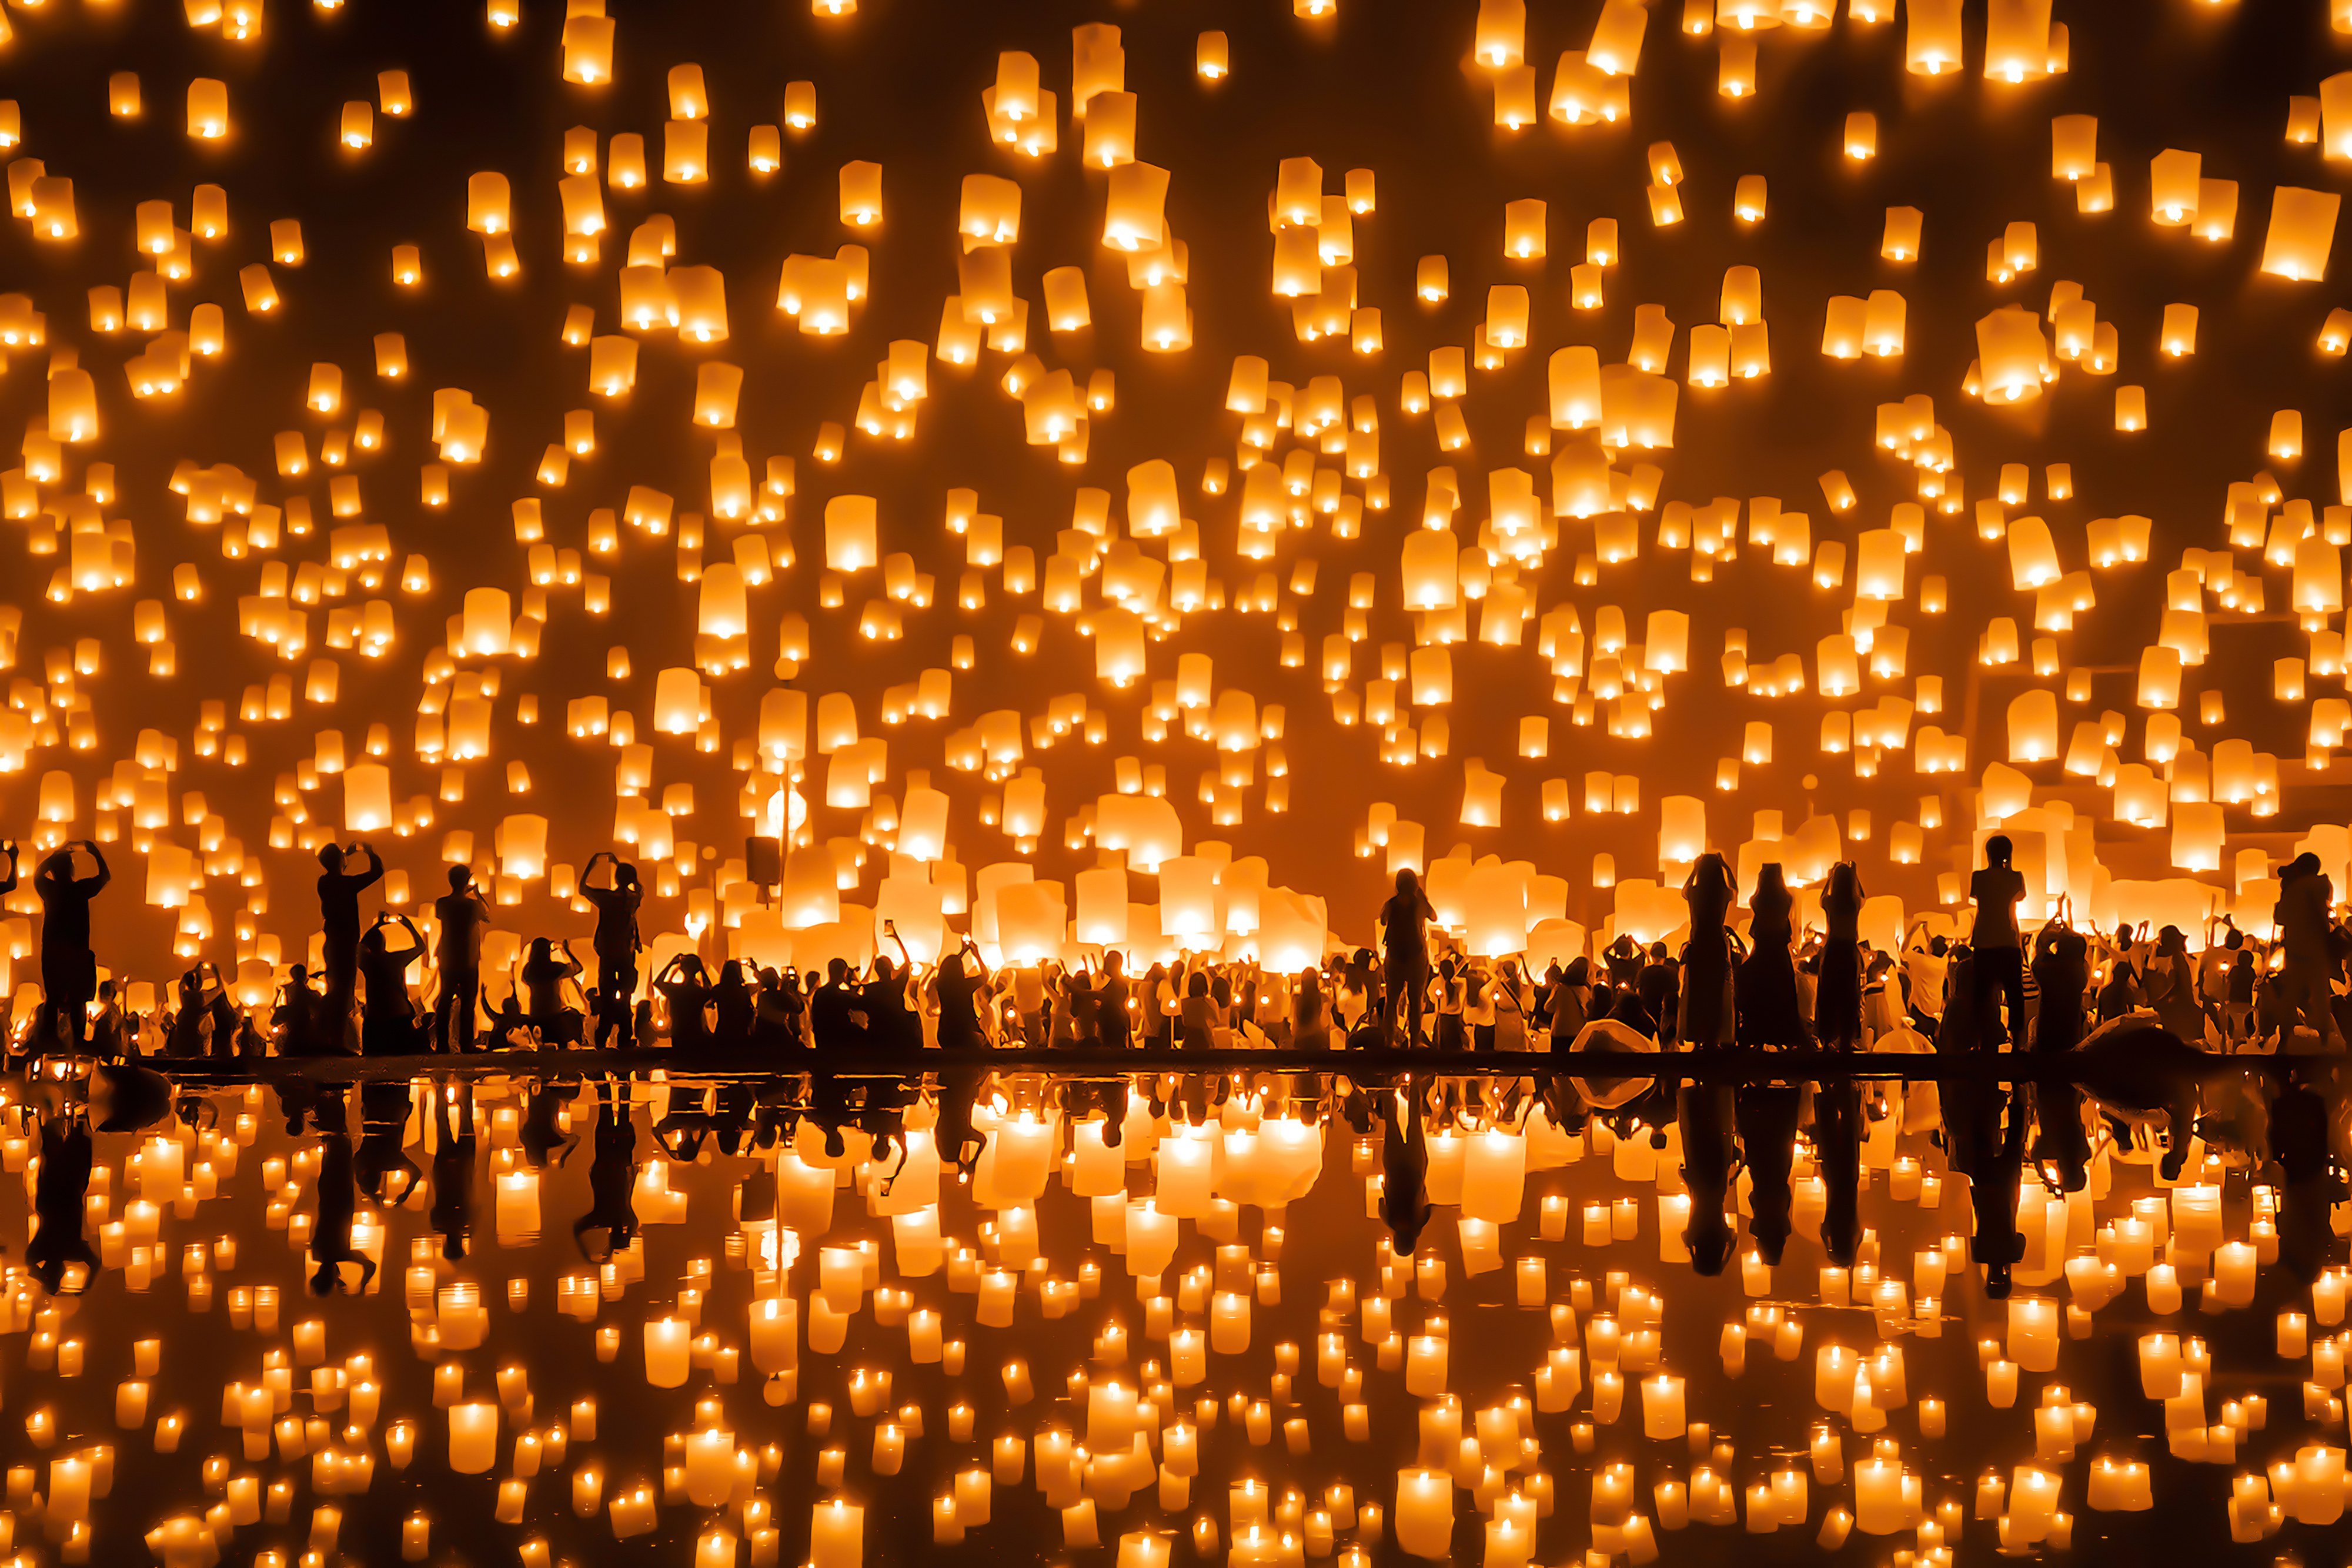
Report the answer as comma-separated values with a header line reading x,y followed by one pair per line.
x,y
1138,1434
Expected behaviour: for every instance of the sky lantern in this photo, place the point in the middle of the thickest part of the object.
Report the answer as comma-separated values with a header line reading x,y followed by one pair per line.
x,y
587,42
208,109
861,194
1134,209
2014,354
2301,231
1931,44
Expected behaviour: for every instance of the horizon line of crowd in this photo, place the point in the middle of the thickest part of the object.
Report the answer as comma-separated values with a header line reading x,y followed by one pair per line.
x,y
1761,984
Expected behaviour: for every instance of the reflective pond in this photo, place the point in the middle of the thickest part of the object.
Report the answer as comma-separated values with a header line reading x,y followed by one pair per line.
x,y
1248,1318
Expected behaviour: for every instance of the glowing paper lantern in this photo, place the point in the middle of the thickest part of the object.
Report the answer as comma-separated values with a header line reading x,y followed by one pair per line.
x,y
850,534
1430,562
2012,354
367,797
2302,232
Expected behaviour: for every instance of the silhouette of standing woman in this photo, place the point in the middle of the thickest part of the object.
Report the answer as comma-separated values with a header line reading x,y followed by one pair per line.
x,y
1769,1015
1706,1013
1837,999
68,965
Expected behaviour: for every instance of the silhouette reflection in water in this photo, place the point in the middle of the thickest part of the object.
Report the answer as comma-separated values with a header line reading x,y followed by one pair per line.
x,y
1211,1311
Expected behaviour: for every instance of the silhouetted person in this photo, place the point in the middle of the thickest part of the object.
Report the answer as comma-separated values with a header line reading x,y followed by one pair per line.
x,y
463,920
2173,978
542,1133
959,1145
1659,985
204,1019
2240,985
339,920
1837,995
1769,1015
2060,976
685,984
60,1202
330,1237
107,1027
69,965
187,1035
884,1121
454,1150
388,1018
1568,1003
1984,1128
1837,1139
2308,958
1997,890
1996,1124
618,944
1447,1034
1197,1018
2120,994
542,977
1704,1112
611,1222
1404,1169
1767,1115
2311,1185
1112,1025
1404,944
1310,1012
296,1016
1626,1006
731,1003
890,1024
835,1021
734,1109
780,1015
1706,1015
959,979
385,1107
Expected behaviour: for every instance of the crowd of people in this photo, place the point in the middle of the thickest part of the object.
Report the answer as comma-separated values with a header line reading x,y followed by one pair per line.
x,y
2151,1025
384,986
